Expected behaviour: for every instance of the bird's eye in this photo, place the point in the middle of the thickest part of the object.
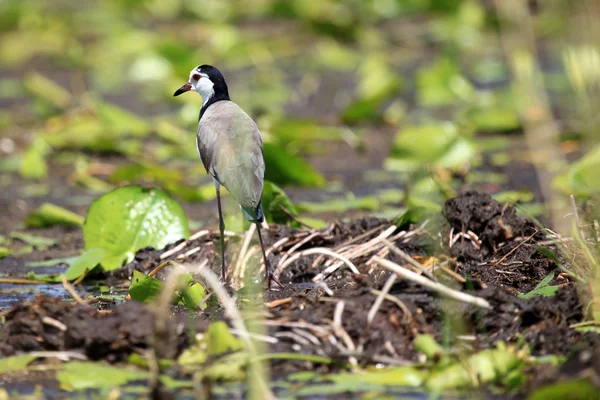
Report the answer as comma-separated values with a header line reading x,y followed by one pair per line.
x,y
196,77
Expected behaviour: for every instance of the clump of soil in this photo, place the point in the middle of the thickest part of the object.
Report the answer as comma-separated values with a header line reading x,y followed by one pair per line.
x,y
49,324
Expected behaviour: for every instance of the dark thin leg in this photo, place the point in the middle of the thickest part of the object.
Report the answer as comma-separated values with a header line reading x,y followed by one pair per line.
x,y
269,273
222,238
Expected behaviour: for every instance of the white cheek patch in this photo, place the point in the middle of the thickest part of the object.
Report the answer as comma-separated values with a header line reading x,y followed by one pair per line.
x,y
204,86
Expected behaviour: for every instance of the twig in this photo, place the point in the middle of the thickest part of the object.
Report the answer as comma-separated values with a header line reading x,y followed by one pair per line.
x,y
174,250
438,287
277,303
69,288
81,278
21,281
316,250
377,304
55,323
408,258
405,311
516,247
198,235
244,249
160,267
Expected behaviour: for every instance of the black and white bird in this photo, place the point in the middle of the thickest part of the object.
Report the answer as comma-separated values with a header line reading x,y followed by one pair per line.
x,y
231,149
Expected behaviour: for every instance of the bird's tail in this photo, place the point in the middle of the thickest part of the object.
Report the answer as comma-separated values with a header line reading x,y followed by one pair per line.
x,y
253,215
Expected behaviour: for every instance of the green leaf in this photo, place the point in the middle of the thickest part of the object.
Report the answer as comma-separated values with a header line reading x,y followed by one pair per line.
x,y
495,119
542,288
284,168
582,178
574,389
15,363
39,242
122,121
4,251
273,199
399,376
47,90
144,288
50,215
131,218
86,261
33,164
427,345
220,340
435,144
367,203
81,375
441,84
192,294
487,366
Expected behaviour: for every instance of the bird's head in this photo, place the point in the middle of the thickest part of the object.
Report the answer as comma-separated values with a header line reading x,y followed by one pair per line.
x,y
208,82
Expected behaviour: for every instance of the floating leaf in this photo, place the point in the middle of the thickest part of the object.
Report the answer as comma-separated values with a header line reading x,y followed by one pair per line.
x,y
487,366
15,363
435,144
33,164
399,376
50,215
4,251
121,121
85,262
367,203
131,218
573,389
144,288
46,89
582,178
80,375
39,242
284,168
441,84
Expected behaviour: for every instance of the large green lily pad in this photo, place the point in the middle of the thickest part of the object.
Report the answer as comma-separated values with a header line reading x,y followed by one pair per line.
x,y
131,218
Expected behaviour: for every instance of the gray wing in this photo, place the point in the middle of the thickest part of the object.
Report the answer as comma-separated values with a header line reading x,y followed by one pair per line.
x,y
230,147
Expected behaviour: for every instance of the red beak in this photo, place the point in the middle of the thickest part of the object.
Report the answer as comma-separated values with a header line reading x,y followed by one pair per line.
x,y
183,89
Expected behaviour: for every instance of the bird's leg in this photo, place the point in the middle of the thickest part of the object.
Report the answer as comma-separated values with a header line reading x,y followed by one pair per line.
x,y
269,274
222,237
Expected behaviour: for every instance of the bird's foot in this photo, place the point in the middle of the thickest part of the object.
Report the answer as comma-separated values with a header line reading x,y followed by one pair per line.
x,y
271,278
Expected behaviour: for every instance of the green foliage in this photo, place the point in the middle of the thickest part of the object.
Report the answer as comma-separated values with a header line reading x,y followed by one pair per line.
x,y
82,375
441,84
582,178
131,218
435,144
284,168
86,262
15,363
33,164
39,242
542,288
145,289
573,389
51,215
274,201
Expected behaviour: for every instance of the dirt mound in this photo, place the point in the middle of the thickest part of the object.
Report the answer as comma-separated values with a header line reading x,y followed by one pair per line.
x,y
478,224
49,324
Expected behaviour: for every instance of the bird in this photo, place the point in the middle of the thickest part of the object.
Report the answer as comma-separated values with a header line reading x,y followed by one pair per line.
x,y
230,147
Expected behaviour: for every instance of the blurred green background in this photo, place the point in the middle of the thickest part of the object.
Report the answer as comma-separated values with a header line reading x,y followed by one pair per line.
x,y
366,107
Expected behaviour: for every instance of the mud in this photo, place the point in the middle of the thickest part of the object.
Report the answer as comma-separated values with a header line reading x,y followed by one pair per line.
x,y
491,249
